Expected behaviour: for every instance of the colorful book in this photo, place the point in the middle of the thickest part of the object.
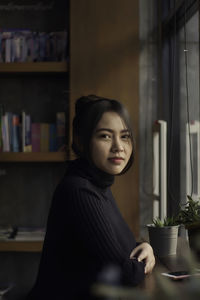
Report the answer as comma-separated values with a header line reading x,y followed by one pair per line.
x,y
44,137
1,115
35,137
5,134
42,46
26,133
16,133
52,137
10,129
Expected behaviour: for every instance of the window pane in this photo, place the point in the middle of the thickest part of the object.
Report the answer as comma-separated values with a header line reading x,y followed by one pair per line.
x,y
188,39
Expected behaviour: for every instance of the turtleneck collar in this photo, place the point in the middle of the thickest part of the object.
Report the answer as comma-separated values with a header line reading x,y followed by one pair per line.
x,y
89,171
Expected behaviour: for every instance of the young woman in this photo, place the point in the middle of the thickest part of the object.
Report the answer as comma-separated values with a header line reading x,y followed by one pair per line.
x,y
87,239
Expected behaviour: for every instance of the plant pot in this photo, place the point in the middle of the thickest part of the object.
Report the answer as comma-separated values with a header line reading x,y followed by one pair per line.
x,y
163,239
194,238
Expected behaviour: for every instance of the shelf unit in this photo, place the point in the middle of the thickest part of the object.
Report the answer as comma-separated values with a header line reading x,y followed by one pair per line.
x,y
34,67
33,157
21,246
28,179
30,157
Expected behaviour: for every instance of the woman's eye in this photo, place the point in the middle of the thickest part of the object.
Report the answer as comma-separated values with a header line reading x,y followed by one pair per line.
x,y
126,137
105,136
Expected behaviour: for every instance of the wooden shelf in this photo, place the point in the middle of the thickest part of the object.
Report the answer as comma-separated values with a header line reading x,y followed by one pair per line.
x,y
34,67
21,246
33,157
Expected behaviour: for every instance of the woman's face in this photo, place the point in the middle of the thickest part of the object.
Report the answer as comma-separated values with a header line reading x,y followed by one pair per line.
x,y
111,144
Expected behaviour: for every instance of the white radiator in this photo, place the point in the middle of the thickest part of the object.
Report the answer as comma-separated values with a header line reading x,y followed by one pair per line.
x,y
160,169
192,159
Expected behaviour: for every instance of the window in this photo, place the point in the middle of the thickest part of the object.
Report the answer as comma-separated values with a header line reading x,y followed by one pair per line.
x,y
179,81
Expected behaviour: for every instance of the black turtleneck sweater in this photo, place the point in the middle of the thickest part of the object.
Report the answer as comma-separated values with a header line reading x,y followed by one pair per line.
x,y
87,240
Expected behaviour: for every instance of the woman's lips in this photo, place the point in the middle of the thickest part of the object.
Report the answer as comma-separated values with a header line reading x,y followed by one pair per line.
x,y
116,160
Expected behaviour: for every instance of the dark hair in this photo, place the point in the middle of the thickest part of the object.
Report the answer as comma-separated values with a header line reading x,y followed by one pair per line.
x,y
88,112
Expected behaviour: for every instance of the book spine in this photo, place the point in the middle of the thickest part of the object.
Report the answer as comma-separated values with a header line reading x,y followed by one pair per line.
x,y
26,132
42,44
23,130
52,137
35,137
8,50
1,115
10,130
44,137
3,48
16,133
25,45
16,48
28,146
5,134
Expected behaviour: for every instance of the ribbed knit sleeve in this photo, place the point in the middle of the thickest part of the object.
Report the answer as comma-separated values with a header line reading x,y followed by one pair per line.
x,y
92,218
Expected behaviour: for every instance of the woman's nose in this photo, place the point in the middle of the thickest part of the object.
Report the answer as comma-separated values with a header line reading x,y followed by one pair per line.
x,y
117,145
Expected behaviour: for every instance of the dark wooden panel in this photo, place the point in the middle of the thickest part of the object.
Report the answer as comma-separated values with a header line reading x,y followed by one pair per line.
x,y
104,52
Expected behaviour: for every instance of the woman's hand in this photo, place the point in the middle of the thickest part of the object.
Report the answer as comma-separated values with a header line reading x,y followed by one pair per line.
x,y
144,252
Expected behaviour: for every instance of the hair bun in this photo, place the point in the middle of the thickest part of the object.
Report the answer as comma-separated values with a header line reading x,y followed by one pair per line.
x,y
83,102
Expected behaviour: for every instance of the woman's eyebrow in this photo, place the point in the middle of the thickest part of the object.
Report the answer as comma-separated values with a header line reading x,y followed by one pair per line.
x,y
110,130
104,129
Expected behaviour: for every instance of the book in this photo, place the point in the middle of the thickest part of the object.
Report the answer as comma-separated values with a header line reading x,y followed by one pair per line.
x,y
5,232
5,133
52,137
44,137
28,146
1,115
8,50
10,129
20,45
35,137
26,133
42,46
30,234
3,48
15,133
60,131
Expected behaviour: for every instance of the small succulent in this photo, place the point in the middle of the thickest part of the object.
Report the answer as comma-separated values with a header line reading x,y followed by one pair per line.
x,y
168,221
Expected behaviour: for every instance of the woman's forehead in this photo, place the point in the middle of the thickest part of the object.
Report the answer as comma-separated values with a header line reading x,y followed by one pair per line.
x,y
111,120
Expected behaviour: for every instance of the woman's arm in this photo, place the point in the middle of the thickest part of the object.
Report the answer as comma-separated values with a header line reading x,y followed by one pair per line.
x,y
96,232
144,252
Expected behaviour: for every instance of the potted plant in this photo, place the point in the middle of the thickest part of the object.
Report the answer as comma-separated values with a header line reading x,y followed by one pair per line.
x,y
189,216
163,236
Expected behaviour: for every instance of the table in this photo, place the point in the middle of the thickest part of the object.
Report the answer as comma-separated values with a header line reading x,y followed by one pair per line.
x,y
156,286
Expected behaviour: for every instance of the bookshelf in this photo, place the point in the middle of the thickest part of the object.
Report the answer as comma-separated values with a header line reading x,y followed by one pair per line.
x,y
33,157
21,246
34,67
28,179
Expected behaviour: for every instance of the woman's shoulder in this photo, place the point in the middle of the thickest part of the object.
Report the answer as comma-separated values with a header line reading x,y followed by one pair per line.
x,y
75,190
74,183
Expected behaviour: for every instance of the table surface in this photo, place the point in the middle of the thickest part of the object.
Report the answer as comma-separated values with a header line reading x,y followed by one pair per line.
x,y
155,282
158,287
